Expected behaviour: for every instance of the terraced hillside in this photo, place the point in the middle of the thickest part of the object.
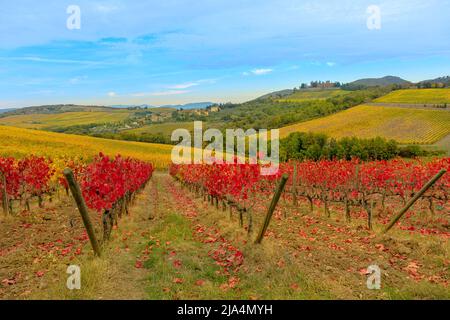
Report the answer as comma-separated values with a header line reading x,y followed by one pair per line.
x,y
417,96
404,125
21,142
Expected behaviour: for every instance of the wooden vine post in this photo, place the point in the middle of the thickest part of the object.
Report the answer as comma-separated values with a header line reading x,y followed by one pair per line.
x,y
272,206
81,204
5,200
414,199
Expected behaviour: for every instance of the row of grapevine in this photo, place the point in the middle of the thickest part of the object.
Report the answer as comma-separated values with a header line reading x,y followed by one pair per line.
x,y
25,179
350,183
108,184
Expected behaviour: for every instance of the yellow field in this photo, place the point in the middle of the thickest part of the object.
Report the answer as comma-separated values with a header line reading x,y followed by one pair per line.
x,y
309,94
60,120
431,96
401,124
20,142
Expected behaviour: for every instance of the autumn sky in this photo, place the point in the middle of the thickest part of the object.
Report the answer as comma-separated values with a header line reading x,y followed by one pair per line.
x,y
173,51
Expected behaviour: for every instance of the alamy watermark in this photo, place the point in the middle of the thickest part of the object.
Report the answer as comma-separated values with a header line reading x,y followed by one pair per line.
x,y
74,280
374,279
190,151
374,19
73,22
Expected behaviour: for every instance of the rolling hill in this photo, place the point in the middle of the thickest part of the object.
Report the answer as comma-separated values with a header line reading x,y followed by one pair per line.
x,y
417,96
54,109
408,126
7,110
384,81
23,142
276,94
52,121
313,94
444,80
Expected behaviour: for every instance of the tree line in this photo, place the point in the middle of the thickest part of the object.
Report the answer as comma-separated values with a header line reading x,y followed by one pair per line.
x,y
317,146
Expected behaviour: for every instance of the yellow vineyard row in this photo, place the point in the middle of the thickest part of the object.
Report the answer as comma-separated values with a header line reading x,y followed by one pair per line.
x,y
417,96
401,124
20,142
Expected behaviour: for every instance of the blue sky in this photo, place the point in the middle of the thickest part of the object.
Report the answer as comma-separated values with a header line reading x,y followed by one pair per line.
x,y
173,51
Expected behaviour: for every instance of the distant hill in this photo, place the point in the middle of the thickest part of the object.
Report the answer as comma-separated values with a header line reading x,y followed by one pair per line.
x,y
355,85
54,109
7,110
127,106
373,82
441,80
193,105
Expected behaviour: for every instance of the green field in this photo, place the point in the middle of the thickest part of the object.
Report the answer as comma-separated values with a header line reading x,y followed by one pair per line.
x,y
311,94
165,129
401,124
417,96
63,120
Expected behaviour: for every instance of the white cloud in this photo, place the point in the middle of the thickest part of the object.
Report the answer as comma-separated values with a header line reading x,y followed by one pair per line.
x,y
45,60
183,85
169,92
257,72
260,72
190,84
331,64
112,94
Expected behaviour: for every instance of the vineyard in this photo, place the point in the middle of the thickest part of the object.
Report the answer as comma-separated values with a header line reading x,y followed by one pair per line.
x,y
194,233
62,120
417,96
61,148
216,230
108,185
347,183
408,126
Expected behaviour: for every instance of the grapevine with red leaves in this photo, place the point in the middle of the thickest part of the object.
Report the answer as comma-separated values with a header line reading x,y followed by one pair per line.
x,y
352,183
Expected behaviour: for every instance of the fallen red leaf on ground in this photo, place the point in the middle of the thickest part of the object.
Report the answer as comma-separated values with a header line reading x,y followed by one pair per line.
x,y
178,280
199,282
177,264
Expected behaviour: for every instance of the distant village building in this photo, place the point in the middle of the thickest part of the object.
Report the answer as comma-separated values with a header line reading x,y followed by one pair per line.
x,y
213,108
200,112
155,117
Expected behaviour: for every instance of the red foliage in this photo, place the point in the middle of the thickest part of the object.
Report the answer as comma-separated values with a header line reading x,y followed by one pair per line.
x,y
27,177
103,182
353,181
106,180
